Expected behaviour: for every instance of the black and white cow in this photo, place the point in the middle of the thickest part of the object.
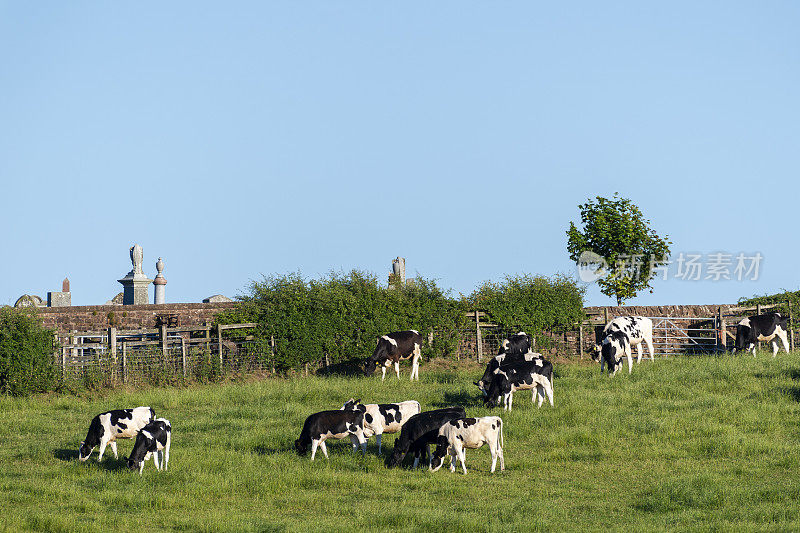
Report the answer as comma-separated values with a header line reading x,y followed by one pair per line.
x,y
618,337
331,425
523,375
518,344
107,427
380,418
393,348
507,359
416,428
472,433
153,440
763,327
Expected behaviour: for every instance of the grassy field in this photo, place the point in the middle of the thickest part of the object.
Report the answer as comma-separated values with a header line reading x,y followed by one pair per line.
x,y
685,443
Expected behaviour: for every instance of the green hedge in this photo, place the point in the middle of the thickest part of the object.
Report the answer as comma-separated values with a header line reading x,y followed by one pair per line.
x,y
532,303
781,298
26,354
342,315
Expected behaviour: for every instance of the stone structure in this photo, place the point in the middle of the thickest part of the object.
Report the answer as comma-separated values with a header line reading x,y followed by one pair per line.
x,y
29,300
100,317
159,291
135,284
60,299
217,298
398,271
116,300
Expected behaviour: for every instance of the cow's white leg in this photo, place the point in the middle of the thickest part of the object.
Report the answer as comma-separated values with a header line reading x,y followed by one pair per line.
x,y
416,461
113,444
548,389
314,444
397,368
415,362
784,340
383,372
141,465
649,342
629,355
354,442
639,351
493,452
602,363
774,347
752,347
103,444
155,461
378,437
324,448
453,453
463,458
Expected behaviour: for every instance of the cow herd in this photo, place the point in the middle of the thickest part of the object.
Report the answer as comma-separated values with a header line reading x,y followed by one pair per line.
x,y
449,430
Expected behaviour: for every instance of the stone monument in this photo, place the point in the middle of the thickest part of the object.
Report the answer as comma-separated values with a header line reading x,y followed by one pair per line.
x,y
135,283
398,272
60,299
160,289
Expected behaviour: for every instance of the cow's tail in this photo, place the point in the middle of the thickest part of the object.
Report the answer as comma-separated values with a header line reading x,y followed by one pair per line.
x,y
500,423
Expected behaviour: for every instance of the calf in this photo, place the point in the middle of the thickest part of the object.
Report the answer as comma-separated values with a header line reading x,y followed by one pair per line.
x,y
618,337
456,435
393,348
331,425
525,375
764,327
384,417
153,440
518,344
416,428
107,427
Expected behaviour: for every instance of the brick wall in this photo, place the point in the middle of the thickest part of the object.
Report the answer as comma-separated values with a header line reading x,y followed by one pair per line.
x,y
100,317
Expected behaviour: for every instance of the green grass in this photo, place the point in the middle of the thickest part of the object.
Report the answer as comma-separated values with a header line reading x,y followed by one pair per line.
x,y
687,443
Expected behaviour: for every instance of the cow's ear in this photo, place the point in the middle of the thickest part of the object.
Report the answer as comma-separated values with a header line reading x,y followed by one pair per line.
x,y
357,401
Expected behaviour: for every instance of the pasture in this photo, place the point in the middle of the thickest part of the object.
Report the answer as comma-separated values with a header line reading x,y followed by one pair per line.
x,y
684,443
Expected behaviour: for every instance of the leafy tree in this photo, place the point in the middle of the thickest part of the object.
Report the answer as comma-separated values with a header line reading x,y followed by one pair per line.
x,y
615,229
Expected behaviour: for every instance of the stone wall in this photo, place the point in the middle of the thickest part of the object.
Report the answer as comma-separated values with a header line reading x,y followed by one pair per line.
x,y
101,317
688,311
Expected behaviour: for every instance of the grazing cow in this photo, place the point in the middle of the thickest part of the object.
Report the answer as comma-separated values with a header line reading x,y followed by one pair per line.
x,y
506,359
384,417
619,336
518,344
331,425
524,375
393,348
764,327
153,440
416,428
107,427
469,433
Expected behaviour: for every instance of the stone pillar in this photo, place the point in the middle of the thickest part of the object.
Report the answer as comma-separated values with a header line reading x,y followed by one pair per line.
x,y
160,289
398,271
135,284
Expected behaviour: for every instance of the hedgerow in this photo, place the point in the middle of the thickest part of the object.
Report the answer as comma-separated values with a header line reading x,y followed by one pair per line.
x,y
341,315
26,354
532,303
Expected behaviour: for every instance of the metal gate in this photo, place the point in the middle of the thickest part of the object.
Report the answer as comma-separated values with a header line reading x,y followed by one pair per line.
x,y
683,335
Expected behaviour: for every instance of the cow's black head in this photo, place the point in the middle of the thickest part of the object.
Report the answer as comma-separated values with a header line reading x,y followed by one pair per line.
x,y
744,335
353,405
84,451
369,367
437,459
300,447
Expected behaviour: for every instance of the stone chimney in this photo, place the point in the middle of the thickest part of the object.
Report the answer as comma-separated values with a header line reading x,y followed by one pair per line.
x,y
159,293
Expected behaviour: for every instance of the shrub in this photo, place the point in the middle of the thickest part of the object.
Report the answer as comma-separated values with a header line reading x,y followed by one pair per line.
x,y
531,303
26,354
342,314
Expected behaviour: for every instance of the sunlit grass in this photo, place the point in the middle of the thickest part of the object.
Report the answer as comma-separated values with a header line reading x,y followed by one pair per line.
x,y
697,443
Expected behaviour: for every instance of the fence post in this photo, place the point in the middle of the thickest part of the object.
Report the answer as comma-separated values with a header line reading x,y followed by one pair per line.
x,y
580,339
605,316
219,339
112,349
164,341
63,361
791,329
124,362
723,332
272,349
183,354
479,340
758,312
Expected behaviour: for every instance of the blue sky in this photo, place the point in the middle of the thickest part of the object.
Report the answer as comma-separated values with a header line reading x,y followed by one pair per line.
x,y
249,138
